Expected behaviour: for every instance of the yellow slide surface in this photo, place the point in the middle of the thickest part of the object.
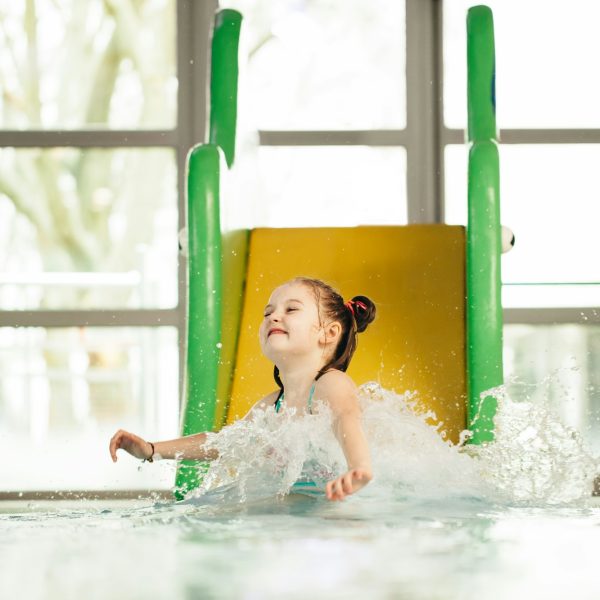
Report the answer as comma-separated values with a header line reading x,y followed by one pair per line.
x,y
416,276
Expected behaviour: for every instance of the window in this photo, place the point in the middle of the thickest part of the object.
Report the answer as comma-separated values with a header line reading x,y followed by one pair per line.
x,y
548,184
544,55
65,391
91,160
325,89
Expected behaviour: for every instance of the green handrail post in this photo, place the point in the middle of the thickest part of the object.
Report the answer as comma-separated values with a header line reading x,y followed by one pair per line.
x,y
224,81
481,81
484,303
204,303
200,412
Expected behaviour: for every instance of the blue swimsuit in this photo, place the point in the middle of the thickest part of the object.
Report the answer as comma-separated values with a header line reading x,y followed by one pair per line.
x,y
310,397
303,485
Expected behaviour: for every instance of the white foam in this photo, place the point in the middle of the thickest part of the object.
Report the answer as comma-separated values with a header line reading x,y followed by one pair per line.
x,y
535,458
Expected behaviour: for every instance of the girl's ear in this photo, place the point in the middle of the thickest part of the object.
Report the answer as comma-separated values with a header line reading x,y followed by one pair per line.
x,y
332,333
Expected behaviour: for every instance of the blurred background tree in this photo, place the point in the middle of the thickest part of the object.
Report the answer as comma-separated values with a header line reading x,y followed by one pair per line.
x,y
85,65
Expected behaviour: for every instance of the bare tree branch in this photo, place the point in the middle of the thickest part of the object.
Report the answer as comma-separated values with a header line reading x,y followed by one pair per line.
x,y
33,72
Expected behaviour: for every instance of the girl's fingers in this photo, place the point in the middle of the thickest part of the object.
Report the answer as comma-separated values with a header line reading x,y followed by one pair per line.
x,y
332,490
114,445
329,490
343,486
347,483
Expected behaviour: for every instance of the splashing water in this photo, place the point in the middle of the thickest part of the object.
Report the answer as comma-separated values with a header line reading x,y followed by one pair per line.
x,y
534,459
264,457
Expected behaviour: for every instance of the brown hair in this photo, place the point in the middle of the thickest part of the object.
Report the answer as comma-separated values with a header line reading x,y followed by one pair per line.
x,y
354,316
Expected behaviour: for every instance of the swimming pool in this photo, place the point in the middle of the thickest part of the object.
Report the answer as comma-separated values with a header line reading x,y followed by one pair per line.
x,y
299,547
426,530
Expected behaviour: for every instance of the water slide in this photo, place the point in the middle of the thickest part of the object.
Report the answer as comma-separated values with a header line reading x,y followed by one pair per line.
x,y
438,330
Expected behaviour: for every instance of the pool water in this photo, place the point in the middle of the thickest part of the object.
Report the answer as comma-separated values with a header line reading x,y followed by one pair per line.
x,y
515,519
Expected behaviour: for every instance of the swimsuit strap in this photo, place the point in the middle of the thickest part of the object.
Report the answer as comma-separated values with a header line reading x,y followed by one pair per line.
x,y
310,397
281,398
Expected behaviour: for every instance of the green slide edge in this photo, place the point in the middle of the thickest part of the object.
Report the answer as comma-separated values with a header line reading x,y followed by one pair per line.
x,y
481,80
204,304
484,284
224,81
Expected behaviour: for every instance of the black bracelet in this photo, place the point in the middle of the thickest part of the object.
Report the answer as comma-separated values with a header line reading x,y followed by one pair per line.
x,y
150,459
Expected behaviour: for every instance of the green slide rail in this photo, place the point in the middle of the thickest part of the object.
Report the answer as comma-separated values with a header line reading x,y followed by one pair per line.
x,y
484,303
224,81
205,277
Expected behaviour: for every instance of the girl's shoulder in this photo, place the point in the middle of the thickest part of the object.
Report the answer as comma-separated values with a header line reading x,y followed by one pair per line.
x,y
337,389
335,378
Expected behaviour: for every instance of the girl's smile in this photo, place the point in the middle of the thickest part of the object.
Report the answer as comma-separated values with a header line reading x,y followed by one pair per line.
x,y
275,330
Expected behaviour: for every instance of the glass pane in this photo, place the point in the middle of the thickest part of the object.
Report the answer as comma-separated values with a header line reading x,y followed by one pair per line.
x,y
68,64
549,196
313,65
65,392
545,53
322,187
559,367
90,228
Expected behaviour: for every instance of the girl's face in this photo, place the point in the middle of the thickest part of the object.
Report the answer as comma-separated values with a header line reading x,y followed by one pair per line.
x,y
291,323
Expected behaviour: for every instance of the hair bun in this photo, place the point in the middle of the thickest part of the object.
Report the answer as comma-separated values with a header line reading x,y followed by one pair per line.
x,y
364,312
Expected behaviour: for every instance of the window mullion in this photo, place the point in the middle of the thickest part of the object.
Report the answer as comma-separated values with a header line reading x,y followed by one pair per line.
x,y
87,138
90,318
422,88
366,137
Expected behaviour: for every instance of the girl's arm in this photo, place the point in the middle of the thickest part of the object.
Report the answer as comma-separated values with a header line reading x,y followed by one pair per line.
x,y
188,447
340,392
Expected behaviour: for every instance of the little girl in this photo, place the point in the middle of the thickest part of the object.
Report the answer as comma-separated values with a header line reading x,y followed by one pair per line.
x,y
309,333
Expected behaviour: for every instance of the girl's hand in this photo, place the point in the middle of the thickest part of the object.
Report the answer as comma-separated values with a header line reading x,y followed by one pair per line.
x,y
347,484
131,443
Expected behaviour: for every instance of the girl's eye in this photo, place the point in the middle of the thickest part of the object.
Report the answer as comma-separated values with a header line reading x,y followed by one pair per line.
x,y
291,309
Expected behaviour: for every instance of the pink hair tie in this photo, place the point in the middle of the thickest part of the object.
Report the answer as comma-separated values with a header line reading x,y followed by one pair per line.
x,y
349,306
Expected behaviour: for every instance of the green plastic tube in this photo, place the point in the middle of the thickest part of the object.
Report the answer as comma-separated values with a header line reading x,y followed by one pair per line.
x,y
224,81
204,304
201,410
481,81
484,304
